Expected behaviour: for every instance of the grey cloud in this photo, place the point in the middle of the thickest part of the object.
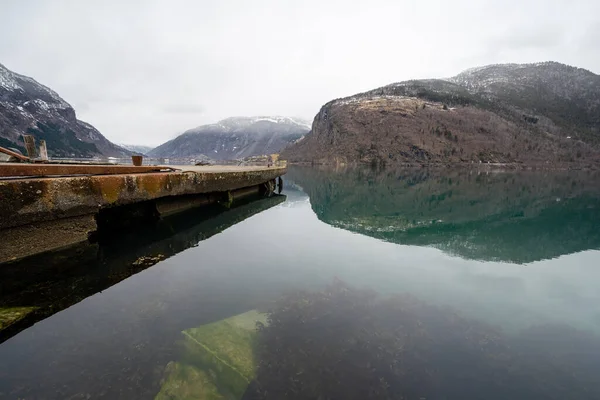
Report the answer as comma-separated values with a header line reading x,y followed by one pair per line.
x,y
529,37
183,109
83,106
591,37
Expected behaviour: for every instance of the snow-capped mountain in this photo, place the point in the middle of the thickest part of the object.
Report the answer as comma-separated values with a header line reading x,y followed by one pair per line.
x,y
28,107
545,114
257,124
559,79
235,137
136,148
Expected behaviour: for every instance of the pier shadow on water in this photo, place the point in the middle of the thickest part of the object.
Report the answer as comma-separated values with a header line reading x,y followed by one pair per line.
x,y
39,286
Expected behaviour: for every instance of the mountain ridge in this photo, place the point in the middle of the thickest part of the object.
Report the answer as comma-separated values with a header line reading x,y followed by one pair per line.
x,y
234,138
136,148
502,113
29,107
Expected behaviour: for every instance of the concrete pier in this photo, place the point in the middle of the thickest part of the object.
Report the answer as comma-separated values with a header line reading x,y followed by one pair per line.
x,y
41,212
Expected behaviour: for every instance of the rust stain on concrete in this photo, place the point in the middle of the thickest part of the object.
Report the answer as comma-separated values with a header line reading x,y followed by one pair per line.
x,y
110,189
153,184
32,170
25,201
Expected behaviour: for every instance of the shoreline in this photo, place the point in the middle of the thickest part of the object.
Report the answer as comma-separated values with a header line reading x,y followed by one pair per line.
x,y
490,166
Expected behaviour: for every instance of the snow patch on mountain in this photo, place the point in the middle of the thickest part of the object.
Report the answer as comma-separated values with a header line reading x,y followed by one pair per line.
x,y
136,148
28,107
361,99
233,124
236,137
11,81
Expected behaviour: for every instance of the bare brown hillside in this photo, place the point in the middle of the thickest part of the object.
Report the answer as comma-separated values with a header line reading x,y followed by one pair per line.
x,y
389,130
535,114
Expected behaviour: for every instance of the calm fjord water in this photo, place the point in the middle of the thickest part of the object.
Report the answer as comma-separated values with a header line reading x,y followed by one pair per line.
x,y
514,254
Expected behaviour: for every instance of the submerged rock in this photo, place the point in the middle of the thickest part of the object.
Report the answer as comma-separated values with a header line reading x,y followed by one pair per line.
x,y
10,315
188,382
217,362
148,260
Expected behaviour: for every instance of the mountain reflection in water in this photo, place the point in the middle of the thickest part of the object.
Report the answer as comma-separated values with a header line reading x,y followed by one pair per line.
x,y
516,217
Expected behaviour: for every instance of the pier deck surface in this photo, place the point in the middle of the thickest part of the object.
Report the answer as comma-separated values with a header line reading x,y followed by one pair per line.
x,y
39,197
20,170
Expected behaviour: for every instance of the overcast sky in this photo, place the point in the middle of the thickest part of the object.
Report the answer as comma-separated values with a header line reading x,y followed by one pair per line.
x,y
144,71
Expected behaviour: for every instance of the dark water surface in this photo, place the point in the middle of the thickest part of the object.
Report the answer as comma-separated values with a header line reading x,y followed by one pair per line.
x,y
376,284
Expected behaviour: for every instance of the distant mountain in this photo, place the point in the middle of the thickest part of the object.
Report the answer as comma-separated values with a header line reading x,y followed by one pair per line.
x,y
135,148
234,138
509,113
28,107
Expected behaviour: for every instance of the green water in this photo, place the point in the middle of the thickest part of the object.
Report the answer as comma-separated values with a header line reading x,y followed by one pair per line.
x,y
514,255
489,216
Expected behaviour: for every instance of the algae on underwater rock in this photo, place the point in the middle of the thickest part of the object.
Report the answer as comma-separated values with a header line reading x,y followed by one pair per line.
x,y
217,361
10,315
187,382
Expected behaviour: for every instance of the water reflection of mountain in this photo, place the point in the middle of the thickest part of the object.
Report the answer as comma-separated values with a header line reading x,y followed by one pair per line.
x,y
515,217
57,280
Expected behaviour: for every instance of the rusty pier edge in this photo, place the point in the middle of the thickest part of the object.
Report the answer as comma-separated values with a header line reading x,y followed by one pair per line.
x,y
45,213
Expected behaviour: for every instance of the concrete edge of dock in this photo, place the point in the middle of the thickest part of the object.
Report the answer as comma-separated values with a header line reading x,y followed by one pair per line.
x,y
44,213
